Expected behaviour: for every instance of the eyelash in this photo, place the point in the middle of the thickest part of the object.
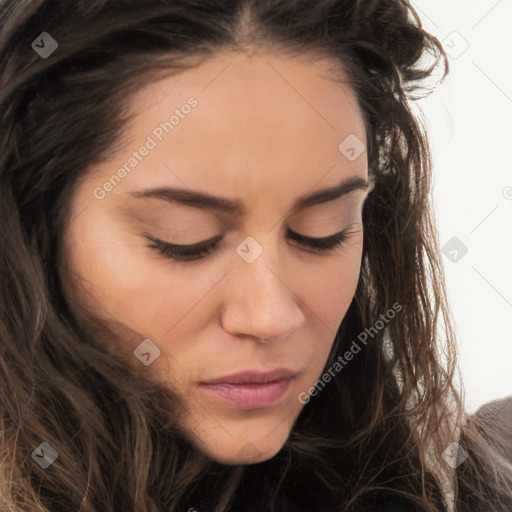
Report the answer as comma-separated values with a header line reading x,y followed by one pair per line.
x,y
203,249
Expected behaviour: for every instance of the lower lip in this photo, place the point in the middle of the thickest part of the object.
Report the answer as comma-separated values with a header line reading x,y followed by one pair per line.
x,y
249,396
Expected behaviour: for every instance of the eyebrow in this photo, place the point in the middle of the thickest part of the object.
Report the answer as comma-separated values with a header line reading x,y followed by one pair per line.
x,y
236,207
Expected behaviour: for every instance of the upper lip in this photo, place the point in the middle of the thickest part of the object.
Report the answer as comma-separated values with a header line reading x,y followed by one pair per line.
x,y
254,377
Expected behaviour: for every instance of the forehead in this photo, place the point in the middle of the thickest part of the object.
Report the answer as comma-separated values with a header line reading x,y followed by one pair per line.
x,y
266,121
269,87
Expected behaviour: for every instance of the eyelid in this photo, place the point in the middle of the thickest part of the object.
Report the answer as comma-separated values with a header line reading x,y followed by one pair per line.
x,y
190,247
186,253
313,240
293,234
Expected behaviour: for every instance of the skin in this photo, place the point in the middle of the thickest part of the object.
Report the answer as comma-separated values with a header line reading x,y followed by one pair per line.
x,y
266,131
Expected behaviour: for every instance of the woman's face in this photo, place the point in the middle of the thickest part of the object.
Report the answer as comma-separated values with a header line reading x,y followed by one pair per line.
x,y
254,136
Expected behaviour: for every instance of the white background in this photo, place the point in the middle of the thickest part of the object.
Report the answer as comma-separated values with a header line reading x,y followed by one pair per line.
x,y
469,119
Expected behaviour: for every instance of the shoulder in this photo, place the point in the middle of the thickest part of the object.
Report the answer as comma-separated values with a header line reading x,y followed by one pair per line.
x,y
497,410
494,422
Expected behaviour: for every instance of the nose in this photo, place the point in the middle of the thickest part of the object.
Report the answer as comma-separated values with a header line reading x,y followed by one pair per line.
x,y
260,302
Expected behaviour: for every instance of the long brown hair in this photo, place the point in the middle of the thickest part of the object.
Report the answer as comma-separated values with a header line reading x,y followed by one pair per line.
x,y
380,428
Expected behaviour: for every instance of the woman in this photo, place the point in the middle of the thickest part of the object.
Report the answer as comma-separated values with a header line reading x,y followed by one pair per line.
x,y
193,317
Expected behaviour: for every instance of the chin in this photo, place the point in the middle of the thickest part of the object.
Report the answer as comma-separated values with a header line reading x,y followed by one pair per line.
x,y
249,454
242,453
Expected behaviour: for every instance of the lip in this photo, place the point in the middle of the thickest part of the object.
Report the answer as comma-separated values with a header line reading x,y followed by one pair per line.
x,y
252,389
253,377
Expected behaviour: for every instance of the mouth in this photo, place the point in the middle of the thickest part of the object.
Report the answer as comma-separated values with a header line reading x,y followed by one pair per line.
x,y
251,390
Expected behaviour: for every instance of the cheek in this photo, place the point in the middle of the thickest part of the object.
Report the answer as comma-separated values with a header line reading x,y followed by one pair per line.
x,y
117,279
335,281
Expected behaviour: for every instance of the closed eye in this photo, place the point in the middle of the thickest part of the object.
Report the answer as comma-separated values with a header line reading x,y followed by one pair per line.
x,y
208,247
